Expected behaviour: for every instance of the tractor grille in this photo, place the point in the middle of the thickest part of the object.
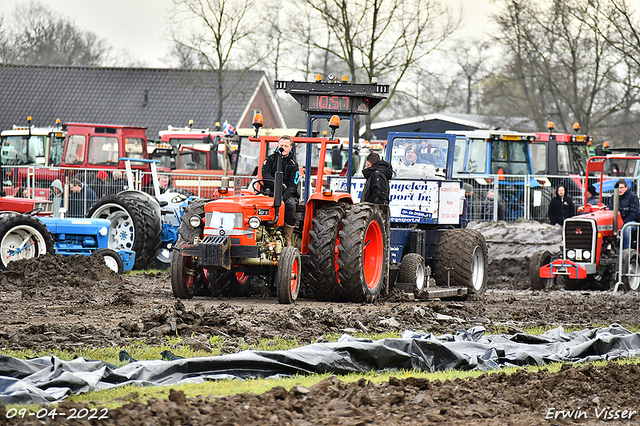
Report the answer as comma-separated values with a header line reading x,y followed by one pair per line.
x,y
579,234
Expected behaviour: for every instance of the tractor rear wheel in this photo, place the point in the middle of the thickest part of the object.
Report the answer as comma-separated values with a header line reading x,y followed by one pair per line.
x,y
538,260
187,278
111,258
461,260
412,271
23,237
229,283
321,272
288,275
134,226
630,265
363,253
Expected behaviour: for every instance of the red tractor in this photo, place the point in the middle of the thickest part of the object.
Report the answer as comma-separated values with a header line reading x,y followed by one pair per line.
x,y
226,241
590,244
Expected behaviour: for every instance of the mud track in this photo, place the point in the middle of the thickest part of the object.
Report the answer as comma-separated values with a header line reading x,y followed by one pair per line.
x,y
66,303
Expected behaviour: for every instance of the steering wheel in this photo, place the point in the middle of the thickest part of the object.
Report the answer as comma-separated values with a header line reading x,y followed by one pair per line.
x,y
261,181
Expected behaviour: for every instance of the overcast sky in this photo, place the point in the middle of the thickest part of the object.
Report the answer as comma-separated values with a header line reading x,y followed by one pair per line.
x,y
140,26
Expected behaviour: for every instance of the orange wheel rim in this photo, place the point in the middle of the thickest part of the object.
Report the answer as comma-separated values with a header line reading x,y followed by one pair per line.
x,y
294,274
372,254
241,277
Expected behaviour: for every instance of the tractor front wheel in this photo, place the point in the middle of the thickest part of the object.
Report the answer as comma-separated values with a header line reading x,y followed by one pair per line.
x,y
187,278
111,258
538,260
412,271
363,254
288,275
22,237
461,260
631,265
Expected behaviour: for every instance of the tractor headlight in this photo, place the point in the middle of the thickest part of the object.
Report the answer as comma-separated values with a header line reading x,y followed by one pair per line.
x,y
586,254
254,222
571,254
103,231
195,221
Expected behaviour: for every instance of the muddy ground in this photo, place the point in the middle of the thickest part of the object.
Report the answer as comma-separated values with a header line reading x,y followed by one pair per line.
x,y
66,303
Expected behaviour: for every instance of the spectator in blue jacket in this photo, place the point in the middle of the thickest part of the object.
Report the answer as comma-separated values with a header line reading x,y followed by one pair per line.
x,y
629,208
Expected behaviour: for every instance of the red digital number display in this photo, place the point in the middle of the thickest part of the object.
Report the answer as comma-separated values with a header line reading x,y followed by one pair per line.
x,y
329,103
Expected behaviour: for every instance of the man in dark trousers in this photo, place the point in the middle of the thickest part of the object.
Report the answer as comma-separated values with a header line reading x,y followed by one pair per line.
x,y
376,188
291,177
629,208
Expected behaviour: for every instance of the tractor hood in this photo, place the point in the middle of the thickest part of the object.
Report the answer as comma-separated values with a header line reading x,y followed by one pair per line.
x,y
235,212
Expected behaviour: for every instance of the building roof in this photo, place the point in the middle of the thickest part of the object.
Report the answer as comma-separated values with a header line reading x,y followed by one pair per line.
x,y
149,97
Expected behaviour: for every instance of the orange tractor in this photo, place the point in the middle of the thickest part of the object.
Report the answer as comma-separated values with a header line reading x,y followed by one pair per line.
x,y
226,241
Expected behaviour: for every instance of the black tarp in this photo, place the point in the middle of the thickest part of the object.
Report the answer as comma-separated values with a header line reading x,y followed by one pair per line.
x,y
49,379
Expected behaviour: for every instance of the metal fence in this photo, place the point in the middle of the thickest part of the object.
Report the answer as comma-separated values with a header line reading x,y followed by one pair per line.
x,y
35,182
488,197
628,258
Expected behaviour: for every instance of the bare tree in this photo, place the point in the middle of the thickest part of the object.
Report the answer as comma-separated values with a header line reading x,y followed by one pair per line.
x,y
559,65
37,36
379,39
220,33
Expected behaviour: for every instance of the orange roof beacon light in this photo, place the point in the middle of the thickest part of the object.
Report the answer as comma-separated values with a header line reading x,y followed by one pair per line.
x,y
318,77
576,127
334,124
551,126
258,121
605,144
345,79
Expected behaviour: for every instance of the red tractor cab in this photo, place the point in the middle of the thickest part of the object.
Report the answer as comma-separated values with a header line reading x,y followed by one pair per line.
x,y
590,242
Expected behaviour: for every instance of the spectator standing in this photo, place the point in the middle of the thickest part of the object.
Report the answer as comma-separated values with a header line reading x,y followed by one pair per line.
x,y
81,198
561,207
22,192
55,195
629,208
377,172
118,182
488,206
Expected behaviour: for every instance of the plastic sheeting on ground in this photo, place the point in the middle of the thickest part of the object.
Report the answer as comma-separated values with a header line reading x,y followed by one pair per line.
x,y
49,379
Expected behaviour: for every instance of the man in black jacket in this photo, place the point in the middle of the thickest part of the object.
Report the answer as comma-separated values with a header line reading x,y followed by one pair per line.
x,y
629,208
291,177
377,172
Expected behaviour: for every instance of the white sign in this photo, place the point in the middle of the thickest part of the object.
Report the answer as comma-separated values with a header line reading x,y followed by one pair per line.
x,y
413,201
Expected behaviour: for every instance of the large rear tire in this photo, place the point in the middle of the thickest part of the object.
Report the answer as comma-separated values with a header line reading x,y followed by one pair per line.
x,y
538,260
288,275
321,272
134,226
461,260
187,232
22,237
229,283
363,254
